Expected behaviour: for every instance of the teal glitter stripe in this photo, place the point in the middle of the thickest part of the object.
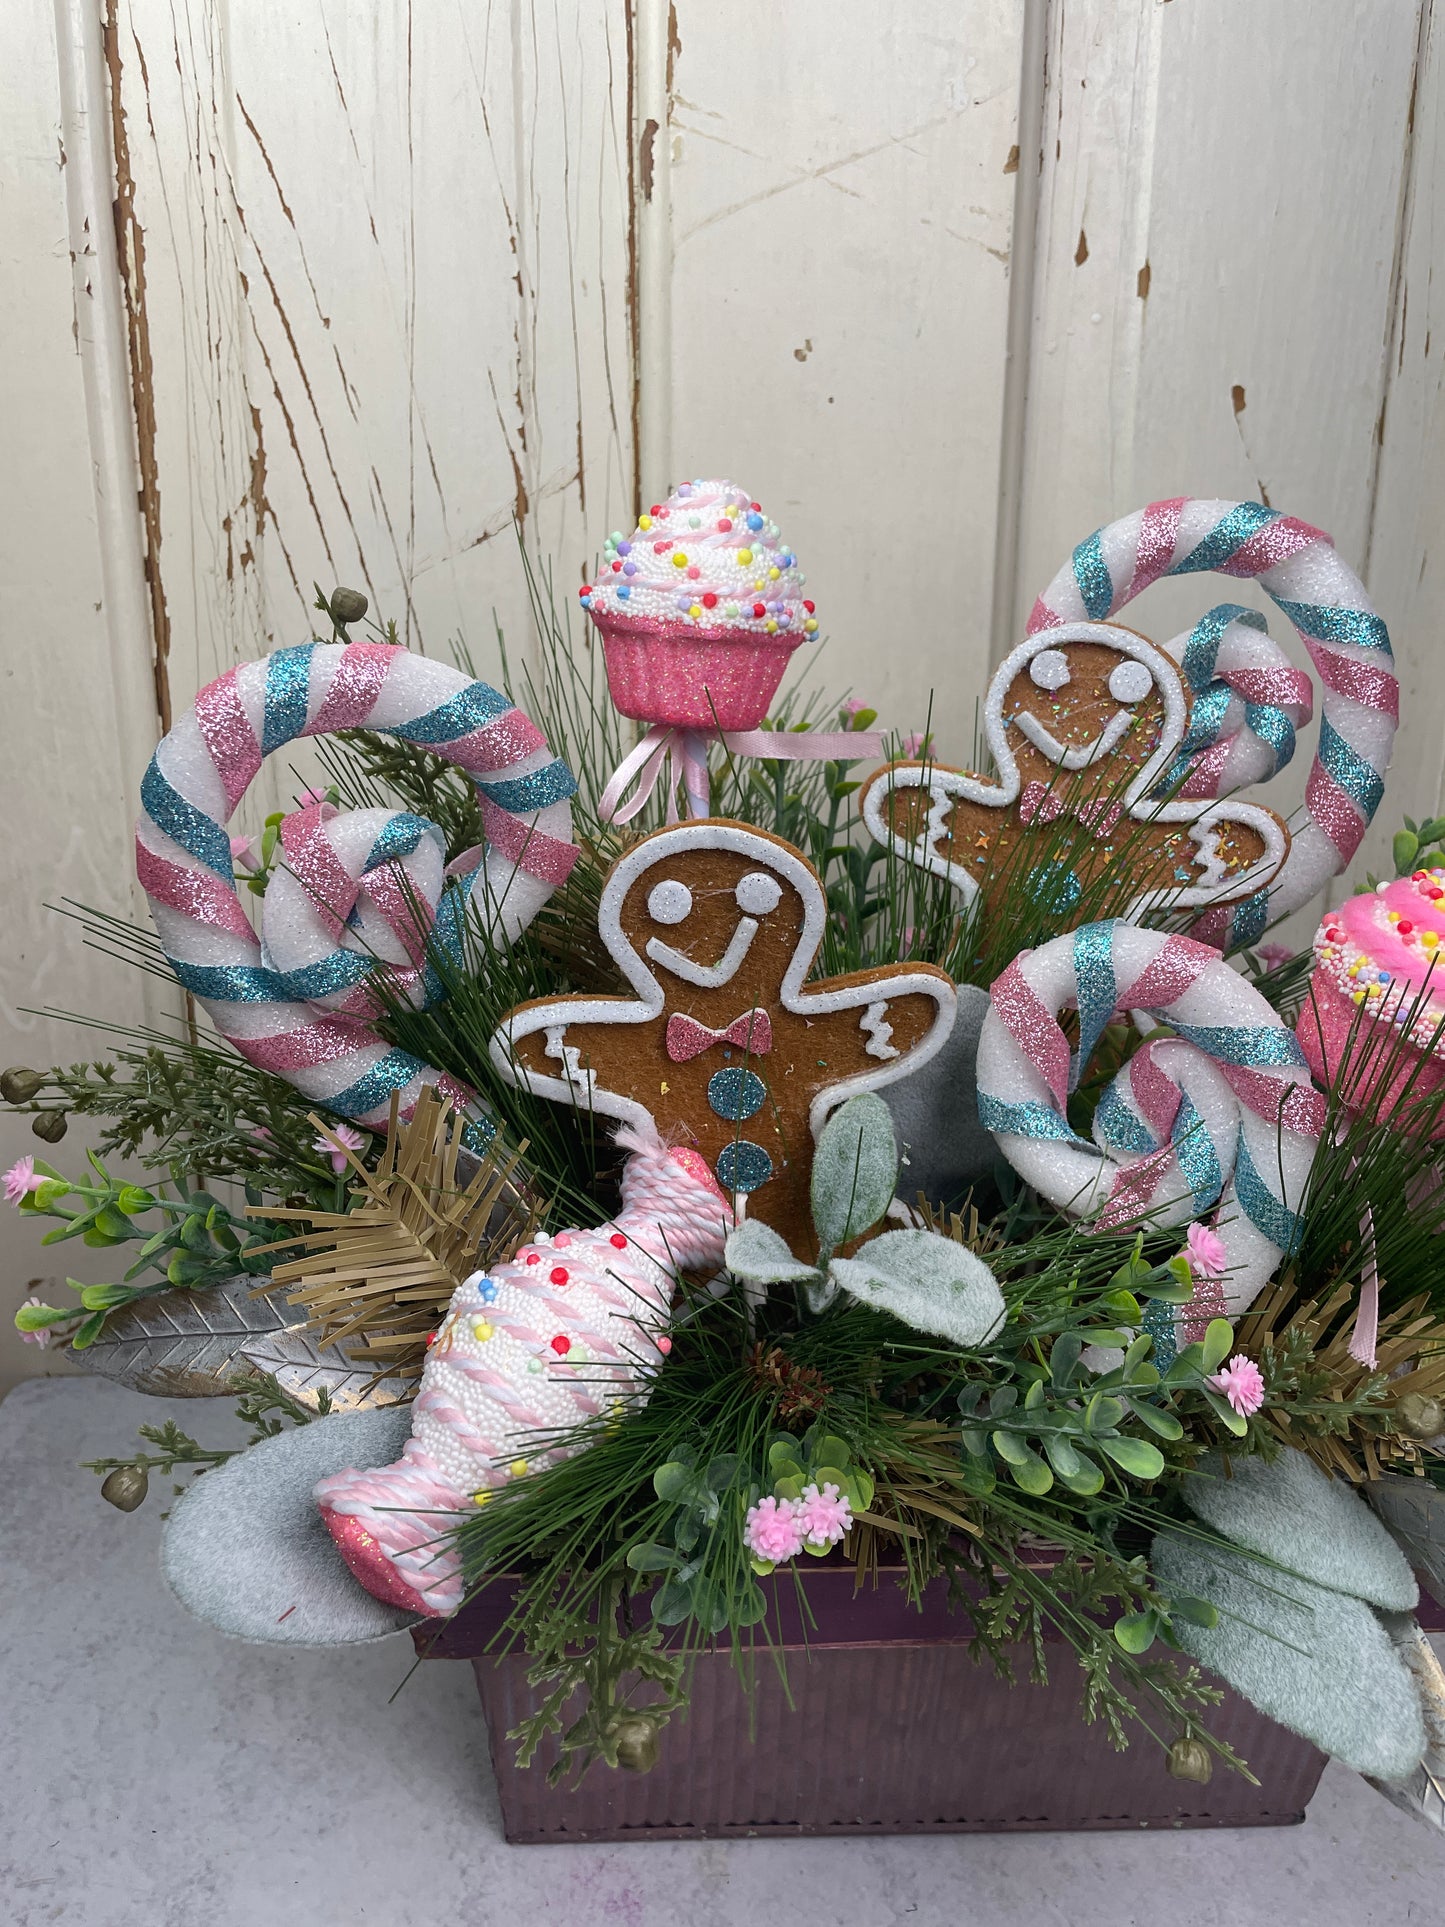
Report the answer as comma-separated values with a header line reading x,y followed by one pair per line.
x,y
1158,1321
1225,537
1121,1128
1250,919
1201,652
288,694
1338,625
471,708
392,1073
400,836
1244,1043
1350,770
229,983
1097,992
1025,1120
1263,1209
183,823
1194,1149
553,783
1092,575
1272,726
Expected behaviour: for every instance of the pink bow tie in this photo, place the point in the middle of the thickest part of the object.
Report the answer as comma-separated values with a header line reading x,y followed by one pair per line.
x,y
686,1037
1044,805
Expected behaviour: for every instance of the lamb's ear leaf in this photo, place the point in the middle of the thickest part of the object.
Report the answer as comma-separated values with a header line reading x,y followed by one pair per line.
x,y
929,1282
759,1255
855,1170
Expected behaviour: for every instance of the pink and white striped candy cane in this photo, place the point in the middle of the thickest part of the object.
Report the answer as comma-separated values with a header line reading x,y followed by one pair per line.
x,y
570,1327
355,895
1247,698
1221,1117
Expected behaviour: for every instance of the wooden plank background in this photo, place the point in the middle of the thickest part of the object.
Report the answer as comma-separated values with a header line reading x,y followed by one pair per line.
x,y
332,292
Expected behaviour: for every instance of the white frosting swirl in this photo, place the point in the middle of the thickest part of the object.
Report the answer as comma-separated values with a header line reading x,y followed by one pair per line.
x,y
708,557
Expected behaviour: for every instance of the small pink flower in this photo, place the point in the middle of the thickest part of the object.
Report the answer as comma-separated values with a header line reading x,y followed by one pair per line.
x,y
1205,1251
263,1136
309,798
772,1530
1240,1382
1272,955
915,744
855,706
823,1517
343,1134
242,853
20,1180
43,1337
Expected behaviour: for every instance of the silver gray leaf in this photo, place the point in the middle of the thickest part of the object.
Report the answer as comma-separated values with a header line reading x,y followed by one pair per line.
x,y
195,1344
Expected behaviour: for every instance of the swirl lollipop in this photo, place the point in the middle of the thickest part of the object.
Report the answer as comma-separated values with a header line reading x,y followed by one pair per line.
x,y
359,894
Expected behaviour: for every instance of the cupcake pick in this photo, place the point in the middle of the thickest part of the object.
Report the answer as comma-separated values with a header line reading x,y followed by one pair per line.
x,y
700,610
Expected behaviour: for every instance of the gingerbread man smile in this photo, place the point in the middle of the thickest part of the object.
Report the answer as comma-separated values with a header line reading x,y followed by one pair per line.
x,y
725,1047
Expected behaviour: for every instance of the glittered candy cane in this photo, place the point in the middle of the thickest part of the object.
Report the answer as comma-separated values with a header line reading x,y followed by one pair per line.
x,y
359,899
1221,1117
1247,699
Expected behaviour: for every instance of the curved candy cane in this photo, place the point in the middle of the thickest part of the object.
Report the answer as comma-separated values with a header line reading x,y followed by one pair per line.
x,y
1220,1117
569,1327
357,895
1225,659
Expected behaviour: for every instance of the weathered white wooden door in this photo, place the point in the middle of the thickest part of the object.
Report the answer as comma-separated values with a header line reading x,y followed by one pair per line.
x,y
339,291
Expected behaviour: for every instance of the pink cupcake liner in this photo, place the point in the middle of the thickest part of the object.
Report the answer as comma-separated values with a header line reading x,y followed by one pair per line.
x,y
1375,1070
691,675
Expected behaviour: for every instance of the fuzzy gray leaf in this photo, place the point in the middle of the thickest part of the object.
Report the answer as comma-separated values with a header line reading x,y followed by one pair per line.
x,y
929,1282
758,1254
855,1169
195,1344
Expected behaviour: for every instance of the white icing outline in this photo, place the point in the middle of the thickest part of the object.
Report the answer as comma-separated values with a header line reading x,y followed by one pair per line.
x,y
707,976
768,853
947,786
880,1032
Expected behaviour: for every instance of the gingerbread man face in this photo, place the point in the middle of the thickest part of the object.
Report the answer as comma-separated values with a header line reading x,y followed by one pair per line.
x,y
725,1047
1084,722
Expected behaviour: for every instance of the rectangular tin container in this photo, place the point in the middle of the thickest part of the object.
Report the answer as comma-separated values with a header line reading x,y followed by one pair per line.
x,y
893,1727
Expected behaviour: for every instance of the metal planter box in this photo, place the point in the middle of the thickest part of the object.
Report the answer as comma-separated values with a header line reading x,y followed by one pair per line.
x,y
892,1728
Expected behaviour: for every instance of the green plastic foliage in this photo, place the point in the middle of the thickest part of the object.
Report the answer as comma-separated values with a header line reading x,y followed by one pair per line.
x,y
855,1170
930,1282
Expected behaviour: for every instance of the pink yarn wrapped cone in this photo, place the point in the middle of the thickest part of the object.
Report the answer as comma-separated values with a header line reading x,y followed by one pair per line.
x,y
692,676
568,1329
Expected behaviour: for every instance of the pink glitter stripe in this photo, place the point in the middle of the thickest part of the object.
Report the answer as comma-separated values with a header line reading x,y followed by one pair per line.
x,y
229,737
1206,1305
355,687
497,745
1155,1092
1276,542
1366,682
1334,811
462,1095
1207,771
197,894
1033,1029
1177,964
1297,1105
1134,1188
541,856
1042,617
316,866
1158,533
308,1047
1278,686
1212,928
409,916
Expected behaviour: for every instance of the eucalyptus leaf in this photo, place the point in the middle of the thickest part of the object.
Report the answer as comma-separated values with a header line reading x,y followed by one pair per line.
x,y
1135,1631
1135,1456
651,1557
855,1170
1031,1474
672,1603
1199,1612
1162,1424
674,1482
1218,1337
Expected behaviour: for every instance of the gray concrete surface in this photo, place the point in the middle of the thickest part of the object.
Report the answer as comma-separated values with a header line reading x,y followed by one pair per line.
x,y
153,1774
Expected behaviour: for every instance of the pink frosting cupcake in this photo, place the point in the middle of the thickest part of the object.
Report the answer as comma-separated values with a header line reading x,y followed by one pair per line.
x,y
700,609
1373,1025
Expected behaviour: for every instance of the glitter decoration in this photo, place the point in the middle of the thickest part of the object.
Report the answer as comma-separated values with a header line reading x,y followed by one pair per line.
x,y
735,1093
743,1166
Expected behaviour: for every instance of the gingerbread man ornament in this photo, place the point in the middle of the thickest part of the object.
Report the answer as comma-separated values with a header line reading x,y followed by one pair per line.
x,y
725,1048
1087,725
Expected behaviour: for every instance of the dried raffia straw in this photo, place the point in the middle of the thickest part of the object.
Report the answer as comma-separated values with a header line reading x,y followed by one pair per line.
x,y
377,1279
1410,1355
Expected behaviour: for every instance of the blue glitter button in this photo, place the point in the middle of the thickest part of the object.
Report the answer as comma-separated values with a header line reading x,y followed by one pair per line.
x,y
743,1166
736,1093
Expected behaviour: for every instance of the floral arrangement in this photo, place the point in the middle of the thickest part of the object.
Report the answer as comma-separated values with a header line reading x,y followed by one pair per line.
x,y
1061,1279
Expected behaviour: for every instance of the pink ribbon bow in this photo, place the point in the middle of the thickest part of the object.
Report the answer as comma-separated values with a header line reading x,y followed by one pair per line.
x,y
1096,813
683,753
687,1038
